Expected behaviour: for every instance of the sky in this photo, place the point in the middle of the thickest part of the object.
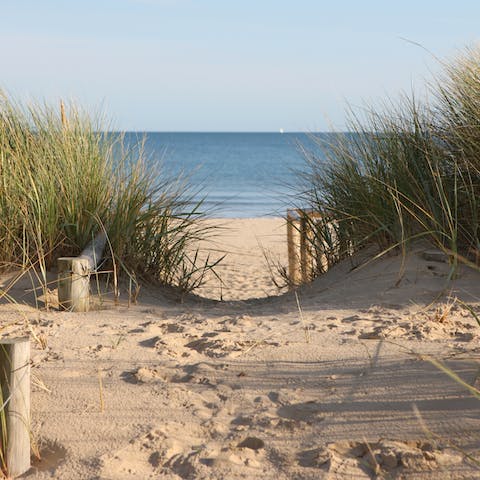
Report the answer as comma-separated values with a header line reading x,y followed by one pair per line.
x,y
227,65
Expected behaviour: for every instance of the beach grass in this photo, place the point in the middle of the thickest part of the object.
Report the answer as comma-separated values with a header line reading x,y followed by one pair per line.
x,y
406,171
63,180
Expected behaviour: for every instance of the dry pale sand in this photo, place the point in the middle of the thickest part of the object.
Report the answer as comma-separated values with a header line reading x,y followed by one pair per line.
x,y
253,248
252,389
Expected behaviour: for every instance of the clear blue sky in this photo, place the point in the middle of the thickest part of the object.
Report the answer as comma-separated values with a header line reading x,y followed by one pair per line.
x,y
226,65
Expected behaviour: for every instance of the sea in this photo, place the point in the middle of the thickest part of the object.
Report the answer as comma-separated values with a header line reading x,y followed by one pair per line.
x,y
236,175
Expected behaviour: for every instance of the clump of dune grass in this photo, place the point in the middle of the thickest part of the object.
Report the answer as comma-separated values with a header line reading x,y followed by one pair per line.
x,y
409,170
63,180
457,93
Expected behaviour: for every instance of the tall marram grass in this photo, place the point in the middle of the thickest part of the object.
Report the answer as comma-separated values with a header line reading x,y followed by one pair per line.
x,y
61,182
409,170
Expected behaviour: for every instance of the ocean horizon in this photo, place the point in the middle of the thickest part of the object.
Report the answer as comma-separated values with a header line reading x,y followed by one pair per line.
x,y
236,174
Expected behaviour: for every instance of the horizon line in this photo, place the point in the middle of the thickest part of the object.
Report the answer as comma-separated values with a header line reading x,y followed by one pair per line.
x,y
308,132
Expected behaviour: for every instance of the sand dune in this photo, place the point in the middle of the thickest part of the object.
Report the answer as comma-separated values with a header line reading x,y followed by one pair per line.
x,y
252,389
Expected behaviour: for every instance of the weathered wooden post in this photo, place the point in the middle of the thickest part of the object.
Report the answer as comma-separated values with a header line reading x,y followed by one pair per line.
x,y
301,245
74,276
293,244
74,283
306,247
15,385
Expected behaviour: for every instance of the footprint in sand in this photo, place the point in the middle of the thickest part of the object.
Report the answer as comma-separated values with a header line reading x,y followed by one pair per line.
x,y
203,373
239,320
158,453
149,342
381,459
308,412
253,443
217,348
289,414
243,420
164,345
52,454
157,374
317,458
172,328
136,330
246,459
167,452
427,329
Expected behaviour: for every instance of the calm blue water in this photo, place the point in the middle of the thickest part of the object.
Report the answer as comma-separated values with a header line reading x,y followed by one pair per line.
x,y
241,174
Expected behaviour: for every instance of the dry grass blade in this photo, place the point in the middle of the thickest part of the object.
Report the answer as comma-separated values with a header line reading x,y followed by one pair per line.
x,y
306,330
470,310
474,391
436,437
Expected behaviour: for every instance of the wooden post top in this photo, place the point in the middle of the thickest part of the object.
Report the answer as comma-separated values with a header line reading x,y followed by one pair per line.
x,y
298,213
10,341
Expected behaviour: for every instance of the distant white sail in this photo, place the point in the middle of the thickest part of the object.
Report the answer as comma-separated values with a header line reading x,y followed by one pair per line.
x,y
281,130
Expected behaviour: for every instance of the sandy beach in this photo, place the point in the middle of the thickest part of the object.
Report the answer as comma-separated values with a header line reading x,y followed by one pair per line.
x,y
249,387
253,249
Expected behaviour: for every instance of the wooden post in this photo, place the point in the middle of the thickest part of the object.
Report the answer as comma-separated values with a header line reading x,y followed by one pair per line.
x,y
306,248
15,384
293,245
301,245
74,283
74,275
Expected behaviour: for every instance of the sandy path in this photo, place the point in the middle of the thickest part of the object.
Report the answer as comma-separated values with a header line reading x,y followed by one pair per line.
x,y
250,389
247,244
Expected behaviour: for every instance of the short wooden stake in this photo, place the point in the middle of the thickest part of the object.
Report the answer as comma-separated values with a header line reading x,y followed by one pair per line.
x,y
74,283
15,384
